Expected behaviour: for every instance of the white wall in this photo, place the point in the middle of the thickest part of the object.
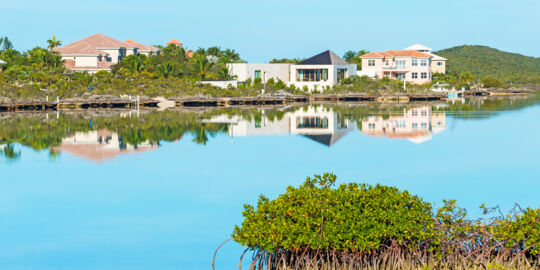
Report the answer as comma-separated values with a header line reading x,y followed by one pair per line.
x,y
245,71
114,54
222,84
86,61
320,85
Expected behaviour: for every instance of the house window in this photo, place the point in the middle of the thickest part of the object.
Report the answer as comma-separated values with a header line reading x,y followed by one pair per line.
x,y
371,126
424,113
257,124
414,113
400,64
415,75
400,124
311,122
341,74
257,74
439,123
312,75
423,62
415,125
439,63
414,62
424,125
387,62
371,63
341,122
423,75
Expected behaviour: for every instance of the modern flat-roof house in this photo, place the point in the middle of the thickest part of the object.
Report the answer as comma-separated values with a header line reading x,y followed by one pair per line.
x,y
100,52
415,64
316,73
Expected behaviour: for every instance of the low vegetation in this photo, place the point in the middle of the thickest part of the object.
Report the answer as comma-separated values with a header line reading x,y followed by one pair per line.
x,y
359,226
483,62
39,73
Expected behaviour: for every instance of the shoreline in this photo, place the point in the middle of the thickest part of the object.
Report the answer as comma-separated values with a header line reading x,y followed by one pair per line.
x,y
97,102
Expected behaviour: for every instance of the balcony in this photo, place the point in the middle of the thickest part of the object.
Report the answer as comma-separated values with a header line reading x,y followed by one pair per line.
x,y
394,67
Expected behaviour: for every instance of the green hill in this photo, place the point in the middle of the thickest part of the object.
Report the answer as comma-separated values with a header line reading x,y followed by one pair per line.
x,y
482,61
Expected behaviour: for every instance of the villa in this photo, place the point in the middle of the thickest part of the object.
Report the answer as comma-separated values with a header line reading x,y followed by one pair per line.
x,y
415,64
100,52
316,73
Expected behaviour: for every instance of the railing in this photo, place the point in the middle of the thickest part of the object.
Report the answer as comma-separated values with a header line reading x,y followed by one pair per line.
x,y
394,67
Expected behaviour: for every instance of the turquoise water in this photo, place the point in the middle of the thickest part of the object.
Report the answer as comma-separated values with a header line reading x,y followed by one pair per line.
x,y
102,204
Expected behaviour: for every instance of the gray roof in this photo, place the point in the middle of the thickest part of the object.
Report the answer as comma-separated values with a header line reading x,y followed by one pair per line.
x,y
325,58
326,139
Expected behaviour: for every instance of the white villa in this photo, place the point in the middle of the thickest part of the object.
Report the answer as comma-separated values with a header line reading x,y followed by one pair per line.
x,y
100,52
415,64
316,73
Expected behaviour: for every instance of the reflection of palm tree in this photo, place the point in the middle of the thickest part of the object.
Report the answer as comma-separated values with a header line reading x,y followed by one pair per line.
x,y
9,152
202,130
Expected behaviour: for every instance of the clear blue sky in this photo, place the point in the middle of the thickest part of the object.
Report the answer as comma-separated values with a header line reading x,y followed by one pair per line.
x,y
261,30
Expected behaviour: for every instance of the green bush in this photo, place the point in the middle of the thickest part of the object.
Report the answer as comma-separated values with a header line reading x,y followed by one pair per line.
x,y
352,217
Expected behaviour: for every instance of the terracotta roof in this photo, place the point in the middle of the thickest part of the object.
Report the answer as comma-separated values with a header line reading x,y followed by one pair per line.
x,y
97,152
398,135
174,41
394,53
91,45
140,46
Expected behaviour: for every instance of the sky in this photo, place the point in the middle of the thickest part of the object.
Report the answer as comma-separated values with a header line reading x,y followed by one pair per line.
x,y
262,30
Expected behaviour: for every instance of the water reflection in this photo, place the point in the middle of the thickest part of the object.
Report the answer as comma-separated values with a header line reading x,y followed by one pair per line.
x,y
100,136
316,123
416,125
101,145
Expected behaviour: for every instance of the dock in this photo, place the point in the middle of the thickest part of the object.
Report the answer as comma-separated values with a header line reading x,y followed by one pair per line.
x,y
263,100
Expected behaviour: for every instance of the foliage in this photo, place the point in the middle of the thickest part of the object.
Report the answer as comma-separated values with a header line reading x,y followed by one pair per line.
x,y
360,226
483,61
491,82
353,57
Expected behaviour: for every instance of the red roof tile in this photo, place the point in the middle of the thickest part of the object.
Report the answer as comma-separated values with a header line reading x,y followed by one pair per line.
x,y
394,53
141,46
174,41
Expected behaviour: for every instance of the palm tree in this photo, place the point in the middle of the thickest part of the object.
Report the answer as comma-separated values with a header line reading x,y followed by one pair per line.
x,y
53,43
6,44
202,65
349,56
224,74
167,69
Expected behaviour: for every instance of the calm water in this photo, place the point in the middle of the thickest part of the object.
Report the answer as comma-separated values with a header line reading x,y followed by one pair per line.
x,y
161,190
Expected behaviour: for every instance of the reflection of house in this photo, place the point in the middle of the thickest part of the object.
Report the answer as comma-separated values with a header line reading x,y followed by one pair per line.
x,y
100,145
323,126
416,125
100,52
322,70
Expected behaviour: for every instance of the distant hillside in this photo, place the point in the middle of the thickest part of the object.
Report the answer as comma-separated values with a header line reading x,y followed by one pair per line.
x,y
482,61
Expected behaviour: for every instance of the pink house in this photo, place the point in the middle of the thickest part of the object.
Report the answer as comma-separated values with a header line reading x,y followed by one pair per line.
x,y
411,65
